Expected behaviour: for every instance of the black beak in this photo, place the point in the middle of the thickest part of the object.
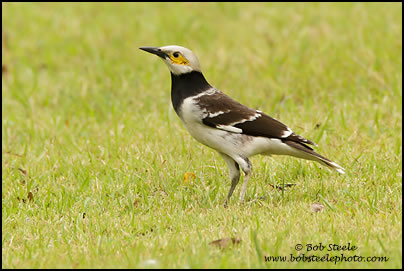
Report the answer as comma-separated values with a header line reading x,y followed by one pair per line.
x,y
154,50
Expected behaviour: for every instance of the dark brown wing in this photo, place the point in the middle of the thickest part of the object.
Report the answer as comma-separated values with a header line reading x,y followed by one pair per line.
x,y
227,114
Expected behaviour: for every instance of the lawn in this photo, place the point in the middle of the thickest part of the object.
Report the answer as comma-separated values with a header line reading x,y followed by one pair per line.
x,y
99,172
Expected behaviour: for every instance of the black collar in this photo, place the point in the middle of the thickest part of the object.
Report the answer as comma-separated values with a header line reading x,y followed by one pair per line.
x,y
187,85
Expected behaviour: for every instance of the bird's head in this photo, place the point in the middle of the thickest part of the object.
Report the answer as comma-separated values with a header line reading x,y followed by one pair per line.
x,y
179,59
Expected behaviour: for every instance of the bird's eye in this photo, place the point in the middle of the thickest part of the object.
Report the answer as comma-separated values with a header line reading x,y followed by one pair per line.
x,y
176,55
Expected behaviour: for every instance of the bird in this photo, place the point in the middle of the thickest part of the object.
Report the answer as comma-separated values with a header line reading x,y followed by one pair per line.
x,y
234,130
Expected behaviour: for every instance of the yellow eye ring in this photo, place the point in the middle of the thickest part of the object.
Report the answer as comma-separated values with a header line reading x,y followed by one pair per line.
x,y
178,58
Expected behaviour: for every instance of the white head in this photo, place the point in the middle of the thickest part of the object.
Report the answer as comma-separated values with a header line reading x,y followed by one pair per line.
x,y
178,59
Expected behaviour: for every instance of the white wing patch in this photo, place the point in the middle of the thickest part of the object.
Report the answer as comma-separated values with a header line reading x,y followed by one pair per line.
x,y
210,91
212,115
287,133
253,117
229,128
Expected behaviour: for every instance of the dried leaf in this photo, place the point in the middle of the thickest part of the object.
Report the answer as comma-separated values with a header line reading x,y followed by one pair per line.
x,y
282,187
30,196
188,176
23,200
317,207
225,242
9,152
23,171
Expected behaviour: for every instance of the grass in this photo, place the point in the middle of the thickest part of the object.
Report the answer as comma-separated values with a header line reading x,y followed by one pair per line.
x,y
94,157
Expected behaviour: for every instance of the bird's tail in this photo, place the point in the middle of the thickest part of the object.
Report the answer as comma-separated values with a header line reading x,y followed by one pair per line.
x,y
308,153
329,164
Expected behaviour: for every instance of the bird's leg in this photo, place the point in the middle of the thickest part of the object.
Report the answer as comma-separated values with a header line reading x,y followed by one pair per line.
x,y
244,188
247,170
234,181
234,171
